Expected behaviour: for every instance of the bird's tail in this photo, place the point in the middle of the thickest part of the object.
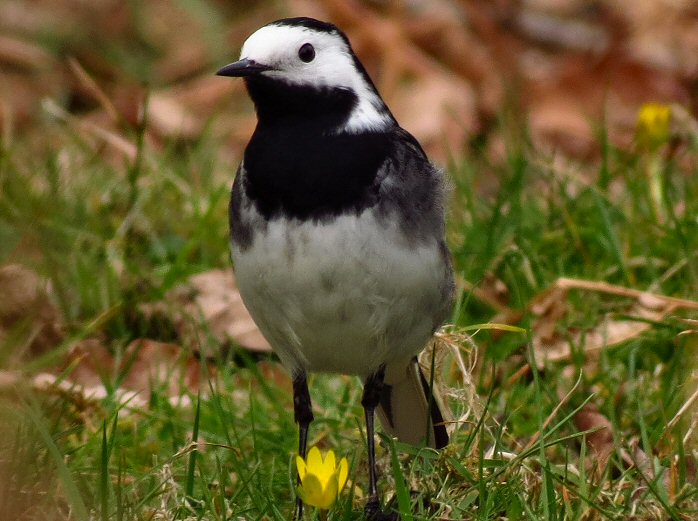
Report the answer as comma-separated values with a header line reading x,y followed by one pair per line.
x,y
406,410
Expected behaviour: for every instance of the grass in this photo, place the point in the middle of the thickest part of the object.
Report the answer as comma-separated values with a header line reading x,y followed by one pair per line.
x,y
111,233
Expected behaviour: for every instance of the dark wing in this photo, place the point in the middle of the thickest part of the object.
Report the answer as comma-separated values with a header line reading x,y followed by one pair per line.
x,y
241,229
409,185
413,190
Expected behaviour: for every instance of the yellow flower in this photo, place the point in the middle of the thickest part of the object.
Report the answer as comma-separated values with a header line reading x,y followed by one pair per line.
x,y
321,478
653,125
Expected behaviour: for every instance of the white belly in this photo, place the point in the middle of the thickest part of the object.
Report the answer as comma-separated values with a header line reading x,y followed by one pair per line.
x,y
344,297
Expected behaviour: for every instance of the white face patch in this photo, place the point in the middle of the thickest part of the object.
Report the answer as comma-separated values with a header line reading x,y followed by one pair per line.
x,y
333,66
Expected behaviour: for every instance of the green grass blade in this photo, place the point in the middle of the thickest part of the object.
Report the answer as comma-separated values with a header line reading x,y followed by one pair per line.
x,y
401,490
191,465
104,476
73,497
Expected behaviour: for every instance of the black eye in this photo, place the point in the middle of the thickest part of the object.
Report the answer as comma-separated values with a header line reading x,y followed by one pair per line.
x,y
306,52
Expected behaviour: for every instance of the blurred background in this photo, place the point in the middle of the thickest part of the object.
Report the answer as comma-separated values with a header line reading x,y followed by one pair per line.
x,y
447,68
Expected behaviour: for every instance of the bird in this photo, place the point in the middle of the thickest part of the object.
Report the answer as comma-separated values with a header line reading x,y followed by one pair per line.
x,y
337,232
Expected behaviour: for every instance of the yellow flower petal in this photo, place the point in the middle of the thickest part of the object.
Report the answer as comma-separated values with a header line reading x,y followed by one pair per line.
x,y
314,460
321,478
311,491
300,464
653,125
328,468
342,473
329,494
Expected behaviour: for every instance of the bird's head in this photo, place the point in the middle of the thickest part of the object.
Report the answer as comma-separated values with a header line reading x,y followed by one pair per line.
x,y
303,68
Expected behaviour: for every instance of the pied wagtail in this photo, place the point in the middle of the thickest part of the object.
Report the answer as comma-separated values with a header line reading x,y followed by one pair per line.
x,y
337,230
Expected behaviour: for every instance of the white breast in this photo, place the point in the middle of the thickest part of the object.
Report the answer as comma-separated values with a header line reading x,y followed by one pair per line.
x,y
345,296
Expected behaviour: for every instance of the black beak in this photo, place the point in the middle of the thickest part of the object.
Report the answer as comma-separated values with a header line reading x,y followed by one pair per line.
x,y
243,68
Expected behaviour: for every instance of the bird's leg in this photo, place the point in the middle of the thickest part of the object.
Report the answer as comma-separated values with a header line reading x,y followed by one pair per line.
x,y
370,400
302,411
303,414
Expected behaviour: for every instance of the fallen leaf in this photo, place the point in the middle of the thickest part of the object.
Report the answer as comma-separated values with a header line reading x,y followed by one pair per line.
x,y
600,442
104,133
210,303
24,54
550,28
169,118
549,308
648,308
149,363
87,85
26,307
661,33
439,109
143,365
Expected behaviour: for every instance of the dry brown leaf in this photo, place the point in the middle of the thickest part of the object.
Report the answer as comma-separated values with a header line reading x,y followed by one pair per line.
x,y
551,28
9,379
662,32
89,363
570,65
169,118
648,299
204,94
549,308
20,95
23,54
608,333
493,298
209,302
222,308
639,458
90,87
496,289
558,119
146,364
648,308
601,442
439,109
645,463
85,126
158,362
25,305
